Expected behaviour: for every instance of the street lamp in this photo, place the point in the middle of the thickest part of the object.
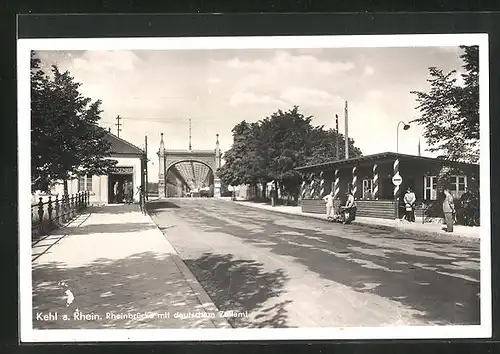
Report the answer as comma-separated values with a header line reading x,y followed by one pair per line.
x,y
405,127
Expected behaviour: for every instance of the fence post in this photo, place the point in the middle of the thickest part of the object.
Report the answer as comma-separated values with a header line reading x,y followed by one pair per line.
x,y
87,198
40,216
66,207
57,209
49,210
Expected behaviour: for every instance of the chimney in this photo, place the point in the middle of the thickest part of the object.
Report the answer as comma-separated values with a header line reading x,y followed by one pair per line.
x,y
346,133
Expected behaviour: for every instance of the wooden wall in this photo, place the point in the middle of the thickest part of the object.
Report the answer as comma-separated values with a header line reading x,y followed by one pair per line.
x,y
383,209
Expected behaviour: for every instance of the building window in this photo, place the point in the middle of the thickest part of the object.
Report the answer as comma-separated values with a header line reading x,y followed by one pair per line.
x,y
430,187
458,184
85,183
367,188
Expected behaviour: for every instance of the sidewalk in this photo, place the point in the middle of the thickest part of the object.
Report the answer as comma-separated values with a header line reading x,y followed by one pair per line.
x,y
460,232
121,273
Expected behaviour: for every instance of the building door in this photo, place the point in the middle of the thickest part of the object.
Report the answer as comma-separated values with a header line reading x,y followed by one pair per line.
x,y
367,188
116,182
386,189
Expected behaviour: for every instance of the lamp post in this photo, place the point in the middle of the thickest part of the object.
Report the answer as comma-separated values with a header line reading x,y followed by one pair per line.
x,y
405,127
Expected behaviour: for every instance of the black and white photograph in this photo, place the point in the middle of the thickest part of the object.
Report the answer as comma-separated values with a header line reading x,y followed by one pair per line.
x,y
254,188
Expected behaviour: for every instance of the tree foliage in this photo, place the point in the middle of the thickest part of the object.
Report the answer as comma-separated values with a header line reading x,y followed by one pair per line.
x,y
66,139
450,113
271,149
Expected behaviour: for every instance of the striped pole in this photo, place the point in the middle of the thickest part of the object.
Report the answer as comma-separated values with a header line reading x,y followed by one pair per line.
x,y
396,171
375,182
336,185
303,189
354,182
395,168
311,186
321,185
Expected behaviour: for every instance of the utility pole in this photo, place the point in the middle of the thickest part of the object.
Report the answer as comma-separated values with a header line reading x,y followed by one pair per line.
x,y
346,132
189,134
146,166
337,136
118,125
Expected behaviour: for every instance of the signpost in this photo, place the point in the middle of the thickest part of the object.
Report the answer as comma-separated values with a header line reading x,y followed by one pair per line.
x,y
397,179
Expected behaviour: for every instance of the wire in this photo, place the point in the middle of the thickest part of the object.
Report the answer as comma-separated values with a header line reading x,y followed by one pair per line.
x,y
171,121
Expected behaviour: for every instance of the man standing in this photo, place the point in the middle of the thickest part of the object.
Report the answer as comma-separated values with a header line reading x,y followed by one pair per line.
x,y
329,205
116,192
448,210
273,196
410,200
465,201
129,192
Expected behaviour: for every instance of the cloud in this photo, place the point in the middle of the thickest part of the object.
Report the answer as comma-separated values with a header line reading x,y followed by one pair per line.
x,y
105,61
241,98
310,96
283,67
286,62
213,80
374,95
368,70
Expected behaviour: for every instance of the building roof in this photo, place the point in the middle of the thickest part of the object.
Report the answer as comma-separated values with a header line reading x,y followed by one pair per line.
x,y
121,147
375,157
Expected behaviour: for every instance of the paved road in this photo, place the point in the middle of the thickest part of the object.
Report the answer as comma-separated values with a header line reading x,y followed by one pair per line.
x,y
276,270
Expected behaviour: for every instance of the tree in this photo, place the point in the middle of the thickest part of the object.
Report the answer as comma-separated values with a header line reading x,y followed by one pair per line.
x,y
450,113
241,161
66,140
324,145
272,148
41,151
285,140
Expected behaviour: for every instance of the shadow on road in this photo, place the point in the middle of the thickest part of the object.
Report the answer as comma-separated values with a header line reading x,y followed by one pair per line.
x,y
143,282
109,228
157,205
242,285
435,280
113,209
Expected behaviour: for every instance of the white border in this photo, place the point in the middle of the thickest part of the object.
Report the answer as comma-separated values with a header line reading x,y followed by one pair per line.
x,y
28,334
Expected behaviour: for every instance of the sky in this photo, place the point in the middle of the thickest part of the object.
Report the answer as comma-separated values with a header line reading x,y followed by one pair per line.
x,y
157,91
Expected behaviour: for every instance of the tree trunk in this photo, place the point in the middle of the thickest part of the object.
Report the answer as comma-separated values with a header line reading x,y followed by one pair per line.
x,y
65,183
65,199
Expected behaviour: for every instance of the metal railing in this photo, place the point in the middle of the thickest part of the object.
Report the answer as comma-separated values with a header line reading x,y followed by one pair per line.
x,y
49,215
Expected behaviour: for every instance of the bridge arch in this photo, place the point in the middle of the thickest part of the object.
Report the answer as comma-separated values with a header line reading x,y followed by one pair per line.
x,y
168,159
184,176
175,162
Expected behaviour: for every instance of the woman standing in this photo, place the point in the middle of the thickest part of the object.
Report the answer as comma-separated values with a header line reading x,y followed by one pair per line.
x,y
410,200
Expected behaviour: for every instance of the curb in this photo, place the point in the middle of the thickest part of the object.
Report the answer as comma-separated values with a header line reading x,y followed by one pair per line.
x,y
435,234
200,293
455,237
